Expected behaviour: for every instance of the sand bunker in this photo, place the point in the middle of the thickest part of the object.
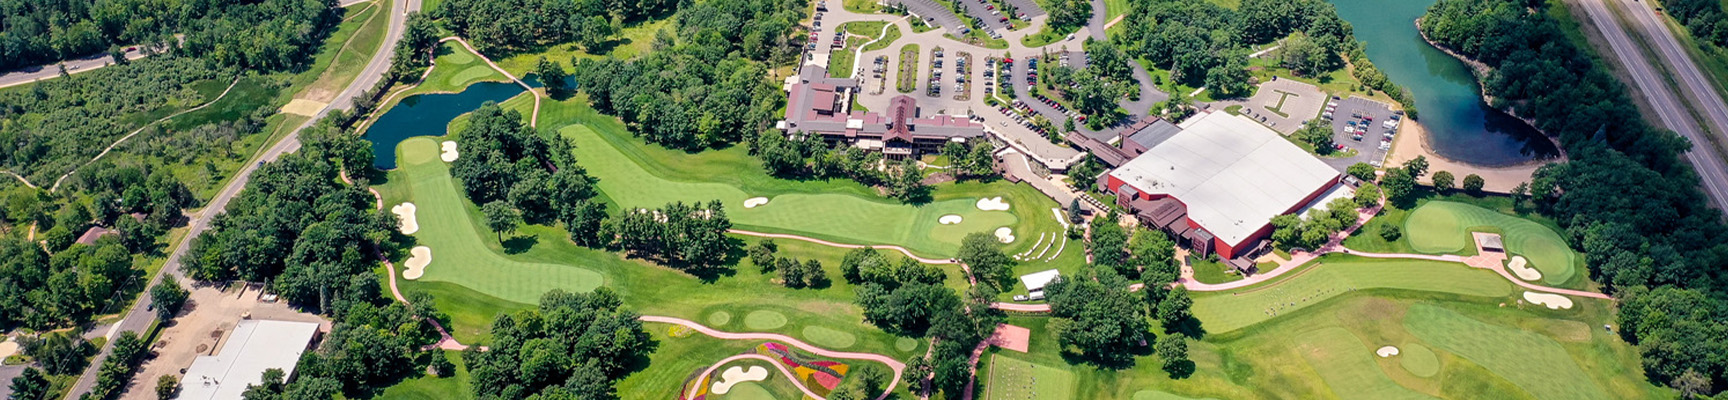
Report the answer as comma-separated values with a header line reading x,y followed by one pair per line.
x,y
753,202
405,213
303,107
1005,234
1553,301
992,204
1387,351
735,375
949,219
421,255
1520,267
8,348
449,153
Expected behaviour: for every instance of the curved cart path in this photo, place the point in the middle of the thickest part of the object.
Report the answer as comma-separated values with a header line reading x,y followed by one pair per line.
x,y
898,367
783,371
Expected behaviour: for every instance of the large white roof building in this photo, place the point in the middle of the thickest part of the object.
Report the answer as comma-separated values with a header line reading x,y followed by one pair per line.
x,y
1230,173
254,346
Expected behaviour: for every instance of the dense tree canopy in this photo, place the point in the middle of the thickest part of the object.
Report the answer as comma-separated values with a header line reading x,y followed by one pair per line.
x,y
1109,321
1204,44
267,34
506,26
572,346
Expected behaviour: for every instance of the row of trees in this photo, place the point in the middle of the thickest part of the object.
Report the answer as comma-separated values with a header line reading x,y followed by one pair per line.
x,y
506,160
1623,197
793,274
574,346
1703,18
509,26
691,237
1291,230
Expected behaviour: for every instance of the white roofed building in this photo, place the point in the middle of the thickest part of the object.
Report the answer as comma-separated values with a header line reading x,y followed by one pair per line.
x,y
253,347
1218,182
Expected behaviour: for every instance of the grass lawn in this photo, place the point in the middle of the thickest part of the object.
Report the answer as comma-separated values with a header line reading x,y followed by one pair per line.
x,y
1444,227
632,41
1335,275
840,60
1532,361
359,36
1049,34
456,69
430,387
1343,361
862,6
1015,379
1209,271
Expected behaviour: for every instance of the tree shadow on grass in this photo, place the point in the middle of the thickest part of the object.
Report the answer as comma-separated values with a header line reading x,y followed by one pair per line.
x,y
519,244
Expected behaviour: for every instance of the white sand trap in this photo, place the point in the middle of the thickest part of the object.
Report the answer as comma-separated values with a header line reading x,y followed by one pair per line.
x,y
303,107
754,202
992,204
1520,267
1005,234
735,375
449,153
405,212
1387,351
420,256
1553,301
949,219
8,348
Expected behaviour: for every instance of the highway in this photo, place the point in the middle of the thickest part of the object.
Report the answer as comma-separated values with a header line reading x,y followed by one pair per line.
x,y
137,318
1669,106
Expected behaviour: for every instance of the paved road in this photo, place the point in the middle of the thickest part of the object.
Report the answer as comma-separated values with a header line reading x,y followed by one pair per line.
x,y
138,318
1669,106
51,71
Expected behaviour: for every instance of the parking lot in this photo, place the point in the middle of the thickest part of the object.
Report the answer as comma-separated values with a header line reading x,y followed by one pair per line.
x,y
989,17
934,14
1284,104
1028,7
1361,124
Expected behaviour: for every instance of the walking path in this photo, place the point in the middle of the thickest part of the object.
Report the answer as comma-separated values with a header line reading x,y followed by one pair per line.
x,y
141,129
534,118
782,367
898,367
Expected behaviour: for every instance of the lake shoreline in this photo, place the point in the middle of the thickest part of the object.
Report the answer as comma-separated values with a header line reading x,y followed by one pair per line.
x,y
1479,71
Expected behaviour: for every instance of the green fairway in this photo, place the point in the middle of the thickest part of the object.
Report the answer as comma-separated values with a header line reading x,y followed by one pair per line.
x,y
831,338
1348,366
458,255
456,69
1443,227
1161,395
1334,275
1015,379
1534,362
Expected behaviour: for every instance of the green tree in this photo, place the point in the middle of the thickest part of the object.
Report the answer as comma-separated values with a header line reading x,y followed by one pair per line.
x,y
1416,167
983,256
167,297
1390,232
1230,78
791,272
552,75
1361,171
1399,185
1442,181
1367,195
501,217
30,385
981,161
1175,309
59,238
762,254
441,365
1173,349
167,387
908,185
814,275
1473,184
1074,215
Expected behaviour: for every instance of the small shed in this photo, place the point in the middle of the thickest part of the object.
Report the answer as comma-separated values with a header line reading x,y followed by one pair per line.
x,y
96,232
1490,242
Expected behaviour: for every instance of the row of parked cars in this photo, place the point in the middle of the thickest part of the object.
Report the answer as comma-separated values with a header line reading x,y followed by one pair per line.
x,y
1019,114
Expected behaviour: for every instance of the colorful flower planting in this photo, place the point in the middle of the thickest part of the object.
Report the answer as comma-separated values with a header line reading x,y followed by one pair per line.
x,y
821,376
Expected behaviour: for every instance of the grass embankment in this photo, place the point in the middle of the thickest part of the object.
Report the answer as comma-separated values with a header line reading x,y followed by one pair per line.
x,y
1442,225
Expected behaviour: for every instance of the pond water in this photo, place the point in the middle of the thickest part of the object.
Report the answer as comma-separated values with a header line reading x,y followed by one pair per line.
x,y
429,115
1460,125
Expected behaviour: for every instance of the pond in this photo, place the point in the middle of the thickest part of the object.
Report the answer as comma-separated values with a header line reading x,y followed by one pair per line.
x,y
429,115
1460,125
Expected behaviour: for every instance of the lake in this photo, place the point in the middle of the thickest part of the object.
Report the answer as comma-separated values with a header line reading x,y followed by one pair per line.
x,y
429,115
1460,125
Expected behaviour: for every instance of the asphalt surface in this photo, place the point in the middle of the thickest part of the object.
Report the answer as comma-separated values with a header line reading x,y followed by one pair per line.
x,y
1368,149
138,317
51,71
934,14
1669,106
1694,84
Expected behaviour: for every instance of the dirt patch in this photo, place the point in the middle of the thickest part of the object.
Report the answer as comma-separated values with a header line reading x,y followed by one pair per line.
x,y
303,107
1412,141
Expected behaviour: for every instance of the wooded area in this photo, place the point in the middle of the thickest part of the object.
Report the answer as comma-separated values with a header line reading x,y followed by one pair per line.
x,y
1624,197
266,34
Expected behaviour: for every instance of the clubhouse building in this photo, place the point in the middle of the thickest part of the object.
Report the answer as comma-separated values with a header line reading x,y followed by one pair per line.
x,y
818,104
1215,181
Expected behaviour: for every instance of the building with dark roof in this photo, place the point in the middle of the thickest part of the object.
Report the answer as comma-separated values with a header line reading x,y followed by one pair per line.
x,y
821,105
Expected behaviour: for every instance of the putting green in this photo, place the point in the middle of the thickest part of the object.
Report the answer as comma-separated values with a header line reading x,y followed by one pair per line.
x,y
764,319
462,258
1532,361
471,74
828,215
1012,378
1150,394
1335,275
748,391
829,337
719,319
1418,359
1443,227
1348,366
905,344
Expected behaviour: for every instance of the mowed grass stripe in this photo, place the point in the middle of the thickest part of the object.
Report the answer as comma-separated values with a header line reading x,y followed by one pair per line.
x,y
1532,361
458,256
1335,275
1441,227
1348,366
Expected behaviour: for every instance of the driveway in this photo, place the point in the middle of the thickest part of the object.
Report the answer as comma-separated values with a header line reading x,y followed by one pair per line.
x,y
1283,104
50,71
1028,7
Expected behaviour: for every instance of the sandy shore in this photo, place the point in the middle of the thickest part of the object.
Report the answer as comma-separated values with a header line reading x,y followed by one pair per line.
x,y
1412,141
